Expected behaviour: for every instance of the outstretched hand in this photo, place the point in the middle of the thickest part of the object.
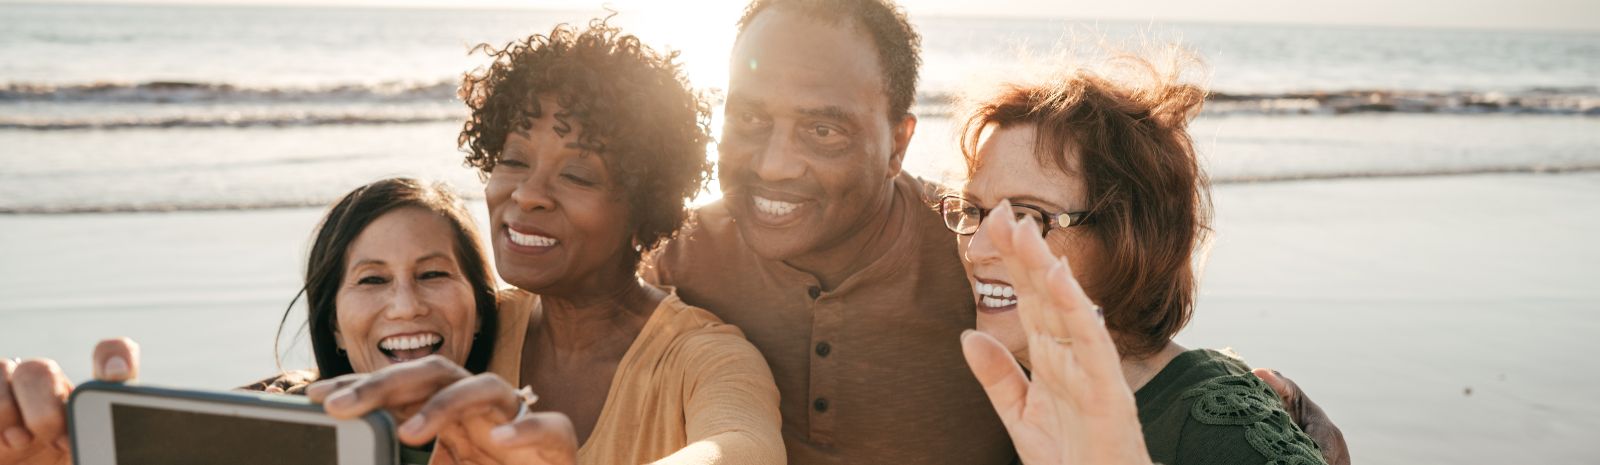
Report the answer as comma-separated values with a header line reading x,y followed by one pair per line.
x,y
33,402
474,418
1077,408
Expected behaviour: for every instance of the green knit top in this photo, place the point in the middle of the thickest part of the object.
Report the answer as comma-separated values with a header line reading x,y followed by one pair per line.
x,y
1207,408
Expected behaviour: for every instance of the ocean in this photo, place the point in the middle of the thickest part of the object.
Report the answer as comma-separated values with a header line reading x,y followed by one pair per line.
x,y
1388,230
159,108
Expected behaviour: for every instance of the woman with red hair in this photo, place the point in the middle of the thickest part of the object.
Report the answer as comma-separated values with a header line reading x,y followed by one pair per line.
x,y
1079,223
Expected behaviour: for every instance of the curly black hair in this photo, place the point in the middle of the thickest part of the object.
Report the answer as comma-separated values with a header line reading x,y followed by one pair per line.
x,y
898,45
635,108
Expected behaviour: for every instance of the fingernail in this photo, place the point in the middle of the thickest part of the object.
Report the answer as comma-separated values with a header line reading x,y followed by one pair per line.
x,y
502,434
17,438
413,426
964,333
341,400
116,368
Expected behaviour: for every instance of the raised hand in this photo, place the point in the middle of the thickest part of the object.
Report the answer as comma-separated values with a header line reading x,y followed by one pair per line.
x,y
33,402
1078,408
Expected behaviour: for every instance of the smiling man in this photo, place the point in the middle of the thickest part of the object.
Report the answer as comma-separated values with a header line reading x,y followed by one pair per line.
x,y
826,254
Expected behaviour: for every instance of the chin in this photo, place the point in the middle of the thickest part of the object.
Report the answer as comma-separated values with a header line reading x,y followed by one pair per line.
x,y
774,245
1006,328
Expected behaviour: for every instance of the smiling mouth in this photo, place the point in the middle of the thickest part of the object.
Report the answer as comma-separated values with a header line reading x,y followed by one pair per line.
x,y
401,348
995,297
530,240
774,212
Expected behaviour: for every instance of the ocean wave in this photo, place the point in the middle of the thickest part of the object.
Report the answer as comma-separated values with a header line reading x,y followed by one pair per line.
x,y
206,92
294,119
473,196
1577,101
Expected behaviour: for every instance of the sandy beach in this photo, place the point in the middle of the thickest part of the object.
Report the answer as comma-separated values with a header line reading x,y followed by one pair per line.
x,y
1437,319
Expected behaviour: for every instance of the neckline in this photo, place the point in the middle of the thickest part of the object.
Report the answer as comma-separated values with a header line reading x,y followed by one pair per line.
x,y
657,318
1175,367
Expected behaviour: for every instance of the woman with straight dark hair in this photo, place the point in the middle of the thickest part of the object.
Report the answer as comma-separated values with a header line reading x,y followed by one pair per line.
x,y
395,273
359,283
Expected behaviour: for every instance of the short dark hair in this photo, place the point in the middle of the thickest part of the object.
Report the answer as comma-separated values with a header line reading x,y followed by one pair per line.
x,y
633,105
898,45
346,220
1148,193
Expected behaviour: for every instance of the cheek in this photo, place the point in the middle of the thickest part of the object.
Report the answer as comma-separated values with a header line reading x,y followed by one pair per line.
x,y
1081,251
456,303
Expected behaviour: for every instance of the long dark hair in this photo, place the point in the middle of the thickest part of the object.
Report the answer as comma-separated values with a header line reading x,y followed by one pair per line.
x,y
346,220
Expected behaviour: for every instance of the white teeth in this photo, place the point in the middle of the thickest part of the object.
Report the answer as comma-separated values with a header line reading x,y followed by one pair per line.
x,y
992,302
531,240
774,207
415,341
995,290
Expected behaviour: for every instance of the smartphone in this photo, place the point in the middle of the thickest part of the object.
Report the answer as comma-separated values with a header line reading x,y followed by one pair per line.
x,y
121,424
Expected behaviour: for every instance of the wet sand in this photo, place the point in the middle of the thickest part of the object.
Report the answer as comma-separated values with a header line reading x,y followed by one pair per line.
x,y
1437,319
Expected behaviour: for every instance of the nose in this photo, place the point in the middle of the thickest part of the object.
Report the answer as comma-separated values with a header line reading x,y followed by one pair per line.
x,y
406,303
532,194
980,250
779,159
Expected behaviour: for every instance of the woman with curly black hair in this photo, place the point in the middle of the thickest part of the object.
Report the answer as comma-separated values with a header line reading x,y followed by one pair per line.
x,y
591,144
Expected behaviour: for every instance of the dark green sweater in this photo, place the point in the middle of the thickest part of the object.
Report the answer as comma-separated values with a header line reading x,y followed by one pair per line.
x,y
1207,408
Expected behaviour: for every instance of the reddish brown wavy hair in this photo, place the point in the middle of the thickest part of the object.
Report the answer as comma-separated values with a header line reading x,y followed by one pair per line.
x,y
1149,196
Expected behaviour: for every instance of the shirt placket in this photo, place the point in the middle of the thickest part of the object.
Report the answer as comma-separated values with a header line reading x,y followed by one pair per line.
x,y
825,348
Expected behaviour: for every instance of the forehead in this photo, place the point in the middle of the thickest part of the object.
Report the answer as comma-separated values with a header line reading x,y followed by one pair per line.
x,y
1009,169
405,232
789,59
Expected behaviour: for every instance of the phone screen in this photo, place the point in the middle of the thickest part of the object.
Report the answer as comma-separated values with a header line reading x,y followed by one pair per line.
x,y
156,436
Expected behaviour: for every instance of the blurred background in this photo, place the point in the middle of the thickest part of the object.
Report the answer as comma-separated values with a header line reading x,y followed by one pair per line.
x,y
1407,192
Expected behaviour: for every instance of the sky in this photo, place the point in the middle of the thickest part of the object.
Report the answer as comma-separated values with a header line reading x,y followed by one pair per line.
x,y
1580,15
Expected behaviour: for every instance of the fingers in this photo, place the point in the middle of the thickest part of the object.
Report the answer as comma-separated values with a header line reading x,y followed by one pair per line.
x,y
393,387
13,433
116,360
1073,313
40,391
549,431
1002,379
468,397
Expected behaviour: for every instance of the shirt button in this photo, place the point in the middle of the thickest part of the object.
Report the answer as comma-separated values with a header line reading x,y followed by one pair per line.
x,y
815,292
821,405
823,349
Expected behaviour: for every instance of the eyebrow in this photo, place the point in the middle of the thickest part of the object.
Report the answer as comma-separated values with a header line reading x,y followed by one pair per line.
x,y
833,112
1022,199
374,261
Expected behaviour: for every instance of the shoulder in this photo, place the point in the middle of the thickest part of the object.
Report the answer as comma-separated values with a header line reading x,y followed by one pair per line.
x,y
708,236
702,343
1235,417
927,190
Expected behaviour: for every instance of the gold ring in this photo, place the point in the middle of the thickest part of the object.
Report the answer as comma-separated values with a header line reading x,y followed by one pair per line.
x,y
1066,341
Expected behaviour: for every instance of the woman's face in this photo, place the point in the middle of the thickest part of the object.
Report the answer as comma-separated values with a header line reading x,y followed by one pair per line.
x,y
404,295
1010,170
558,226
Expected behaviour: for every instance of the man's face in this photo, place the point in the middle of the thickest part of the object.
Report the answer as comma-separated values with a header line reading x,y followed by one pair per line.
x,y
808,151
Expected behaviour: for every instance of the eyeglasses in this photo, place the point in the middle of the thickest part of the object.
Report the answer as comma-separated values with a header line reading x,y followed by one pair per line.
x,y
963,216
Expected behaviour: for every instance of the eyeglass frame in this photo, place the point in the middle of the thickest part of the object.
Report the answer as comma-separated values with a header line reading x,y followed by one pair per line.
x,y
1052,221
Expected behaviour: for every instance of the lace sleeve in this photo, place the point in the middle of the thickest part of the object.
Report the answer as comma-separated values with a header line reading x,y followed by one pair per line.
x,y
1244,401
